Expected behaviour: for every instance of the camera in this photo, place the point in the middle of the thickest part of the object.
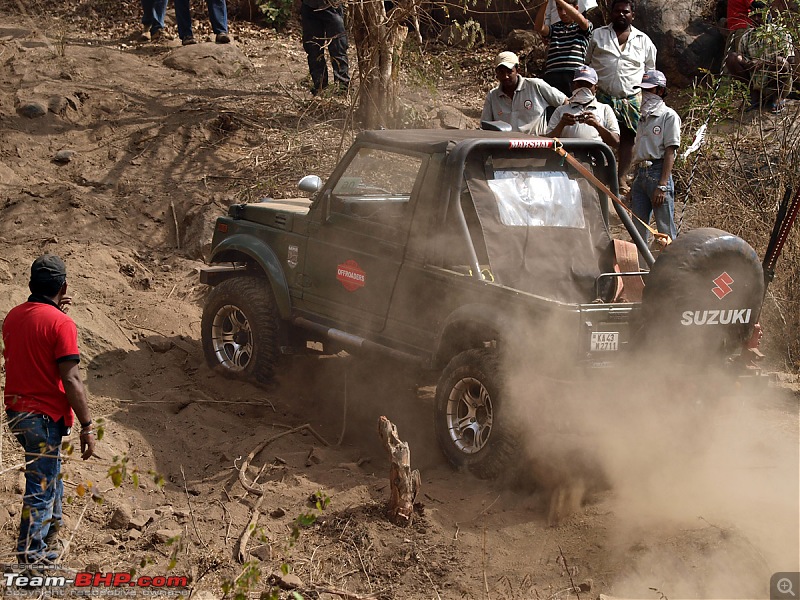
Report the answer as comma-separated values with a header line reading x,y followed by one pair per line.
x,y
580,117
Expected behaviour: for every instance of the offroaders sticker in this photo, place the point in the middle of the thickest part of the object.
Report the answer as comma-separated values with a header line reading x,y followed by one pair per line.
x,y
351,276
716,317
723,287
605,341
524,144
292,255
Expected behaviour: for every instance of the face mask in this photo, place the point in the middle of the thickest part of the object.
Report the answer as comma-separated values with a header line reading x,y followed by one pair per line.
x,y
650,102
582,96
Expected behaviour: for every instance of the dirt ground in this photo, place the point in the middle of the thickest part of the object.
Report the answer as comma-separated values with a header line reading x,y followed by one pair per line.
x,y
121,174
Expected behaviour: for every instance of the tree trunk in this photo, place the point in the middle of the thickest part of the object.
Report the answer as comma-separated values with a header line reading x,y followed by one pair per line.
x,y
404,482
379,44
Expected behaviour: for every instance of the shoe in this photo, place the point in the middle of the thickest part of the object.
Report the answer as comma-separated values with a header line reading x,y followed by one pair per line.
x,y
223,38
161,35
188,41
145,35
776,108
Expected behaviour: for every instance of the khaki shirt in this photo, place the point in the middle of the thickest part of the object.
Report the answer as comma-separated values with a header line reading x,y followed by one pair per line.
x,y
602,112
656,132
525,112
619,69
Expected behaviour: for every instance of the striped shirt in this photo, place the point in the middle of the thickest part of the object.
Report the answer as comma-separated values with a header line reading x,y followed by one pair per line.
x,y
567,48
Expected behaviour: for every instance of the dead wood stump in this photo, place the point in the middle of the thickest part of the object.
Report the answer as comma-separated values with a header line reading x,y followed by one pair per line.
x,y
404,482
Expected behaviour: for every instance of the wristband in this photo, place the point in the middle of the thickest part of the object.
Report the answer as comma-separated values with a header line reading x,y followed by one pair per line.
x,y
86,432
85,425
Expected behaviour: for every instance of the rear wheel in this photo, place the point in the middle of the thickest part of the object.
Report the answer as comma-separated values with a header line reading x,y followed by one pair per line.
x,y
470,425
240,329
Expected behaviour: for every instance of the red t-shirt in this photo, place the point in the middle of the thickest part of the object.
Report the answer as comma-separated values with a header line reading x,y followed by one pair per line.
x,y
36,337
737,14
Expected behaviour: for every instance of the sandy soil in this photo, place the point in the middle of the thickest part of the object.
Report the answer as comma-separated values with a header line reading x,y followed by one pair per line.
x,y
691,503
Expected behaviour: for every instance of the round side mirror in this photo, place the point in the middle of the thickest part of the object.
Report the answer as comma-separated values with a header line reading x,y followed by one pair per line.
x,y
310,183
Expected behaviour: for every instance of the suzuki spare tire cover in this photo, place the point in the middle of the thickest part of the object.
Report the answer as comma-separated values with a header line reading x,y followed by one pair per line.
x,y
703,294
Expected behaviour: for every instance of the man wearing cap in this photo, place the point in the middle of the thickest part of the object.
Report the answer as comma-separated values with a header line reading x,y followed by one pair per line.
x,y
43,388
583,116
657,139
621,54
519,101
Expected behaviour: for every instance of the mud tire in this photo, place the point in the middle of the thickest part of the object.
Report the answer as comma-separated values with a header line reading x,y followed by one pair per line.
x,y
243,310
682,282
478,369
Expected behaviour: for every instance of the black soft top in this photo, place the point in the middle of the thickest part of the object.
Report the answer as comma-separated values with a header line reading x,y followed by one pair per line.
x,y
433,141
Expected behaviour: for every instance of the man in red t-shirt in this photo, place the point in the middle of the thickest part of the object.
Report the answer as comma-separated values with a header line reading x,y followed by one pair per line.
x,y
43,388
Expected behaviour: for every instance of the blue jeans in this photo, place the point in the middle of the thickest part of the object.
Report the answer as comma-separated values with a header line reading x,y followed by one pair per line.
x,y
40,437
217,14
153,12
325,27
644,186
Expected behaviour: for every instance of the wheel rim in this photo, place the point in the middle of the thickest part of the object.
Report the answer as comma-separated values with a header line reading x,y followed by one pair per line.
x,y
232,338
469,415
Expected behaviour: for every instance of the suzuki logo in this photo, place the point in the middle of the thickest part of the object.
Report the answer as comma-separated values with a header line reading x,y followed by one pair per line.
x,y
723,288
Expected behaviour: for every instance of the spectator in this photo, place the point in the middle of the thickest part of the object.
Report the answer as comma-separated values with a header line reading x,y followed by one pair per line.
x,y
764,60
519,101
43,388
737,22
620,54
552,16
217,14
657,139
583,116
153,12
323,26
567,40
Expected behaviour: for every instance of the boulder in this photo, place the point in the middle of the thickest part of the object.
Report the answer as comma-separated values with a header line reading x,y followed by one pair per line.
x,y
209,59
121,518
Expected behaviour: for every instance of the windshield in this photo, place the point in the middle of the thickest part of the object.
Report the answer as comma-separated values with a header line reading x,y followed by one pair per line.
x,y
538,199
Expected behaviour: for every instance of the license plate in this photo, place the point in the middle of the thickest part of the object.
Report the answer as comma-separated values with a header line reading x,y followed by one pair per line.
x,y
605,341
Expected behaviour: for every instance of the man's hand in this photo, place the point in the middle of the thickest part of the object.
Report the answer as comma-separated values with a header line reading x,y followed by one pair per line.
x,y
88,439
568,119
591,119
66,302
658,197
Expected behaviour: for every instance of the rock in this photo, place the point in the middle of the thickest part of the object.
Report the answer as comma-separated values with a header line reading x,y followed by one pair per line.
x,y
287,582
64,156
32,109
109,539
140,520
121,518
159,344
452,118
262,553
134,534
57,105
277,513
162,536
209,59
521,41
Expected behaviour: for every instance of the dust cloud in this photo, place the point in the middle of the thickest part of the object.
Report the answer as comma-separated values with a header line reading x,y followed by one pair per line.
x,y
702,475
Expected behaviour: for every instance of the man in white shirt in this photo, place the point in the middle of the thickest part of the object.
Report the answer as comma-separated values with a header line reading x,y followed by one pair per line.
x,y
657,140
583,116
621,54
519,101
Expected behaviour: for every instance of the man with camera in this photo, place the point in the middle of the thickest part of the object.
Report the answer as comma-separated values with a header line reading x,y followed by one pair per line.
x,y
583,116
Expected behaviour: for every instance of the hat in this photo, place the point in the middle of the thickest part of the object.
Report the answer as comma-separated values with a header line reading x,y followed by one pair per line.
x,y
48,267
506,59
585,73
653,79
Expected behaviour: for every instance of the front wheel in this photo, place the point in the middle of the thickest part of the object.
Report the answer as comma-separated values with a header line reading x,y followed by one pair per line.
x,y
470,425
240,329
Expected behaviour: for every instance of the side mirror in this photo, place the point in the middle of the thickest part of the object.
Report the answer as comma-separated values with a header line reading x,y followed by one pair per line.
x,y
495,126
310,183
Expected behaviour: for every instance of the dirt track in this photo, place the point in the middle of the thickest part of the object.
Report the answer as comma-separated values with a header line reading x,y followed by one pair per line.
x,y
711,516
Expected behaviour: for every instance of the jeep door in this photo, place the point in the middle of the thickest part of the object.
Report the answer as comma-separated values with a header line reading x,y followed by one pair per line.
x,y
358,243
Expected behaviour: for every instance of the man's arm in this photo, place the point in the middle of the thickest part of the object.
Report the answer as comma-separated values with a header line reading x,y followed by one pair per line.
x,y
650,57
487,114
539,24
76,396
609,137
576,15
666,171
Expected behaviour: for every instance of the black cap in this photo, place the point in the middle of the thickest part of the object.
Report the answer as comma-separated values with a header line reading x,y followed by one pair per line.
x,y
48,267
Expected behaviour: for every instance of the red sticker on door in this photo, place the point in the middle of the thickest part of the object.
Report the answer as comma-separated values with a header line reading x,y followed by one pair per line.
x,y
351,276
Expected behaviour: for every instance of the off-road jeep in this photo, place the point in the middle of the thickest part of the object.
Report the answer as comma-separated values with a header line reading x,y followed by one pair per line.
x,y
447,249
